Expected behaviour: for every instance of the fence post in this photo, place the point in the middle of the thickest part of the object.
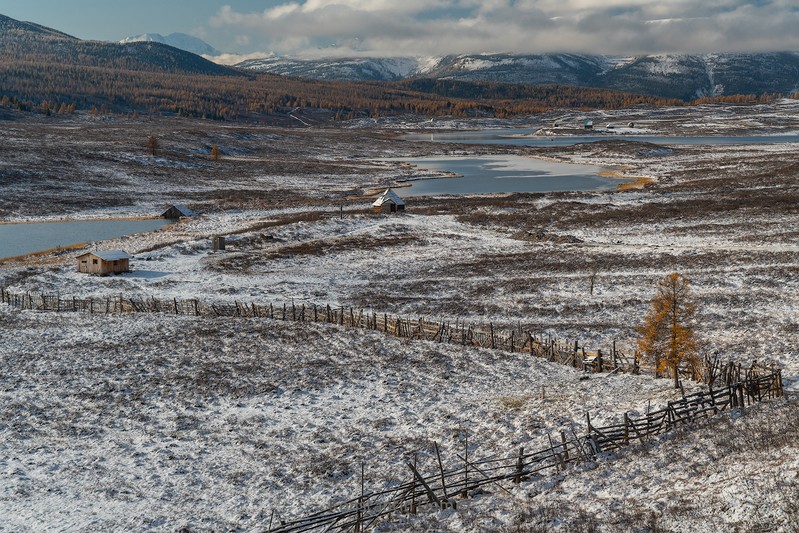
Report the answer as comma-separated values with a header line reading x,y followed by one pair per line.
x,y
519,466
445,501
465,491
413,489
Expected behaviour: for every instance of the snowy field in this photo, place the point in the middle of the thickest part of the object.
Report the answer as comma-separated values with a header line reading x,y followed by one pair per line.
x,y
126,423
162,423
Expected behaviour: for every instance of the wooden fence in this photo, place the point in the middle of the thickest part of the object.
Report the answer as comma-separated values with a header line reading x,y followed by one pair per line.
x,y
711,371
444,487
731,385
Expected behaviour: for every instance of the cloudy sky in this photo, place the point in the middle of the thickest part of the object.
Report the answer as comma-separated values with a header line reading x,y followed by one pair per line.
x,y
433,27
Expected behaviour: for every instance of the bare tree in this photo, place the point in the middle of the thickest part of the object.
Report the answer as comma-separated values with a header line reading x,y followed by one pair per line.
x,y
152,144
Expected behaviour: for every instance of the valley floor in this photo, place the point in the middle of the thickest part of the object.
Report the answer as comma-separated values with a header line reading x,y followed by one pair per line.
x,y
163,422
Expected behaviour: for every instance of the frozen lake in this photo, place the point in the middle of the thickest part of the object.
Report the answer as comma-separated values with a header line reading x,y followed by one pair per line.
x,y
525,137
21,239
506,174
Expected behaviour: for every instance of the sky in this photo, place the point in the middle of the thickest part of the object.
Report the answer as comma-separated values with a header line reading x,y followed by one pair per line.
x,y
318,28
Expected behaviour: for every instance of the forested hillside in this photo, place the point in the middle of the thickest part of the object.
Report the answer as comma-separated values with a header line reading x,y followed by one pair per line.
x,y
45,70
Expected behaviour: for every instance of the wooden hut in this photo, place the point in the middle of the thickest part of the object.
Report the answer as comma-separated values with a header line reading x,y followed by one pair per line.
x,y
178,211
388,202
104,263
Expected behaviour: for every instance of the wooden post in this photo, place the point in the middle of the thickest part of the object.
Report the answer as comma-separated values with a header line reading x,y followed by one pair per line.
x,y
358,523
519,466
493,344
413,490
565,447
465,491
431,495
445,501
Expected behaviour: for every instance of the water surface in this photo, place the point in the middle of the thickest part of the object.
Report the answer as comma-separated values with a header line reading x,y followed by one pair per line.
x,y
525,137
506,174
20,239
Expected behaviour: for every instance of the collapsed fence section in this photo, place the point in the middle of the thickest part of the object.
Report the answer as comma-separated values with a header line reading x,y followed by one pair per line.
x,y
445,487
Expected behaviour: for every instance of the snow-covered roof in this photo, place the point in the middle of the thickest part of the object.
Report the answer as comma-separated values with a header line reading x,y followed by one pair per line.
x,y
388,196
110,255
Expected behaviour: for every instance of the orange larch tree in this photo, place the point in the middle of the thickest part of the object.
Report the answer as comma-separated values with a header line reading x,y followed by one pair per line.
x,y
667,334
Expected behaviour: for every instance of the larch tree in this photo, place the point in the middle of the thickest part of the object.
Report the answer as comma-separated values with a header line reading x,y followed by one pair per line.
x,y
152,145
215,154
667,334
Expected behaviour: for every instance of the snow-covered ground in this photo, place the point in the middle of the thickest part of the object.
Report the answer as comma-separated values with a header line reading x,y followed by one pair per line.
x,y
157,422
163,422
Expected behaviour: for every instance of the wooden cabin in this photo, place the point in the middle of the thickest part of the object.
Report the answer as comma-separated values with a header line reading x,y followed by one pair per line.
x,y
388,202
178,211
104,263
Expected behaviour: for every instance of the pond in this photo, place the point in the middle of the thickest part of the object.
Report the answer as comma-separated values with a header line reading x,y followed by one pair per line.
x,y
506,174
525,137
21,239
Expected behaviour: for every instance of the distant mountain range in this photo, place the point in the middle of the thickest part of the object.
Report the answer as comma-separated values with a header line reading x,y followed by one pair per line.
x,y
668,76
182,41
47,70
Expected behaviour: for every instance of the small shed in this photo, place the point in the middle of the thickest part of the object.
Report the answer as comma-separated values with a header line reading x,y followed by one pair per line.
x,y
388,202
104,263
588,124
177,211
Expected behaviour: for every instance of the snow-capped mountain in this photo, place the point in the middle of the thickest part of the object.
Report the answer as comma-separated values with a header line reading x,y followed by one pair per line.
x,y
672,76
177,40
385,69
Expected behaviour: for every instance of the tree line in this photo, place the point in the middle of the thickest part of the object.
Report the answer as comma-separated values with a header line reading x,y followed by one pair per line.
x,y
62,88
26,85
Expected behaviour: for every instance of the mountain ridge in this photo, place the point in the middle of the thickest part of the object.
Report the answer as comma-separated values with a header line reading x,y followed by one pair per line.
x,y
682,76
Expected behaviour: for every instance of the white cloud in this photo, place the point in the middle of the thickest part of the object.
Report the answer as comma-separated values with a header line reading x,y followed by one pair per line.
x,y
437,27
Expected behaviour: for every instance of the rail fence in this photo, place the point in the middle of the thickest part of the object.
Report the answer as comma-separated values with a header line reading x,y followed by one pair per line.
x,y
445,486
731,385
711,371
